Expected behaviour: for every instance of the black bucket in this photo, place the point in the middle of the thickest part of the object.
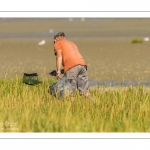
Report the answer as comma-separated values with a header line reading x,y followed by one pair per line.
x,y
31,79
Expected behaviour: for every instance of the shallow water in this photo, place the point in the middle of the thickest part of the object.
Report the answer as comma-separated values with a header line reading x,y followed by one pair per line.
x,y
37,28
118,83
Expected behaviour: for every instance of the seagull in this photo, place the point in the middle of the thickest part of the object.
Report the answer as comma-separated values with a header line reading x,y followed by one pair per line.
x,y
42,42
51,31
82,19
146,39
70,19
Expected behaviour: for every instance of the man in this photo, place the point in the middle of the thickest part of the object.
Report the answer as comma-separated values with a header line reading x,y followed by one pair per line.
x,y
67,54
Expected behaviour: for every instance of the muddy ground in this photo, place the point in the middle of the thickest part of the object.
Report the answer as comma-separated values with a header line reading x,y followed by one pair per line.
x,y
104,43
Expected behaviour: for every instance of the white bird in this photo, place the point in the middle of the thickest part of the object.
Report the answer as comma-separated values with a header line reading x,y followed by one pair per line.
x,y
42,42
51,31
146,39
70,19
82,19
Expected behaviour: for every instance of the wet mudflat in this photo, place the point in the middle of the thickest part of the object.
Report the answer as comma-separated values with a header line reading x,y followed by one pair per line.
x,y
104,43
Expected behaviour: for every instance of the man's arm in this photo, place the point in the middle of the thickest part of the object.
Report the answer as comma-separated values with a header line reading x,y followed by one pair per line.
x,y
58,62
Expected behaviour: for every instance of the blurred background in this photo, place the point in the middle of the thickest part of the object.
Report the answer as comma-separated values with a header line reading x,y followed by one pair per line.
x,y
115,49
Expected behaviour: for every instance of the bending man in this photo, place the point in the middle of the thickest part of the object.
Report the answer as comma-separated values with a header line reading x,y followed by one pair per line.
x,y
75,68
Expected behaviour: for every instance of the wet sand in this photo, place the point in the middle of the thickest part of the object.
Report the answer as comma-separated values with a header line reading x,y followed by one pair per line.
x,y
104,43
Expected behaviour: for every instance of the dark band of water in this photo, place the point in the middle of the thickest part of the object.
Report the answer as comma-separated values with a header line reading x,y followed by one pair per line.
x,y
118,83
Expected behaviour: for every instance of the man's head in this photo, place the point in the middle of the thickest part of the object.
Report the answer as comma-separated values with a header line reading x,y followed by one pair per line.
x,y
59,34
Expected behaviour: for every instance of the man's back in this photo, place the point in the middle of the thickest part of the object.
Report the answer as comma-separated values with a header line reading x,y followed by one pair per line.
x,y
70,54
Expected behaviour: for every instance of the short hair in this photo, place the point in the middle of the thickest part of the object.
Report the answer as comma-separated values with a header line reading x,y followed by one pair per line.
x,y
59,34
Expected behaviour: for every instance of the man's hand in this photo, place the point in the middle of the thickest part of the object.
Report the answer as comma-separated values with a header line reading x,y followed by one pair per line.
x,y
58,74
54,72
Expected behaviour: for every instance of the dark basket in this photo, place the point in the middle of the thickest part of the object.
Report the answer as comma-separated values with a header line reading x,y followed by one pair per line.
x,y
31,79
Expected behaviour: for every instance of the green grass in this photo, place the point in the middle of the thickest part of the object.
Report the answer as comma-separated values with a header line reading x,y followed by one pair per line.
x,y
137,40
25,108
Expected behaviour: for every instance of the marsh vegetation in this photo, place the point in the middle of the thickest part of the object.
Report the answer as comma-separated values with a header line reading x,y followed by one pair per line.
x,y
110,56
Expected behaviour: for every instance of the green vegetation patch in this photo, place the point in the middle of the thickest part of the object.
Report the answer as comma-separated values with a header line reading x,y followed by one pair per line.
x,y
25,108
137,40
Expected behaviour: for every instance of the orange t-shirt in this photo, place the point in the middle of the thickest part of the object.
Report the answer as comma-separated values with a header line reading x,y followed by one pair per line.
x,y
70,54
